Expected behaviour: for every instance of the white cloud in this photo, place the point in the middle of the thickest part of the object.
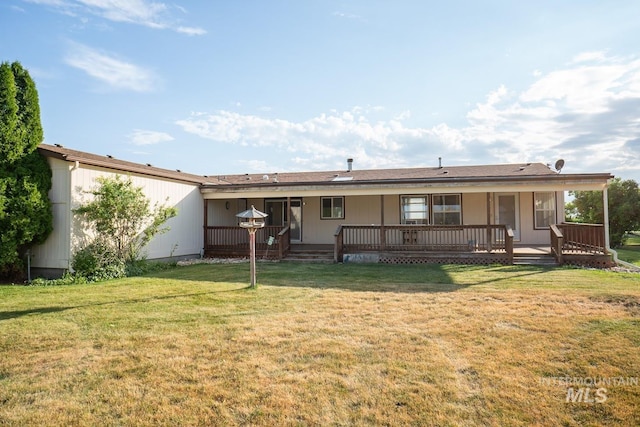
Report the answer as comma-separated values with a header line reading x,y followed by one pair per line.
x,y
148,137
140,12
191,31
109,69
587,113
345,15
589,57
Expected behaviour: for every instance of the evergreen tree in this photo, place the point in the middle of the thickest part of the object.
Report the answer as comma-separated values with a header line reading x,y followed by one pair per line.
x,y
25,175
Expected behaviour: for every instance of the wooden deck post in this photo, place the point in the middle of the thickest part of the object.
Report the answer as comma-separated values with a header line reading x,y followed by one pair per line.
x,y
508,243
383,237
338,245
489,243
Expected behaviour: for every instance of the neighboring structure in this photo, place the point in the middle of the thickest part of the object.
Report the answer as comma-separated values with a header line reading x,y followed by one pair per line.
x,y
469,214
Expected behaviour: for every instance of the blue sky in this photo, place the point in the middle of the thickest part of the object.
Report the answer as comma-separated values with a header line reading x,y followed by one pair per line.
x,y
218,87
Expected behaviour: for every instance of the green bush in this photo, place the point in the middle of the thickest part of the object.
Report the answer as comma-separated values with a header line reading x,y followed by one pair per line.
x,y
67,279
97,262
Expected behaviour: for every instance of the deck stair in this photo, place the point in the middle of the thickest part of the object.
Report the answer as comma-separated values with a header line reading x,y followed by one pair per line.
x,y
544,260
310,253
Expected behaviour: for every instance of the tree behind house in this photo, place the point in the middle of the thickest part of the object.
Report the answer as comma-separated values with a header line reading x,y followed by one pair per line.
x,y
25,176
624,208
122,217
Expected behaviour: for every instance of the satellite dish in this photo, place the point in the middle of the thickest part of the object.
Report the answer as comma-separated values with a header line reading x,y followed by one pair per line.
x,y
559,165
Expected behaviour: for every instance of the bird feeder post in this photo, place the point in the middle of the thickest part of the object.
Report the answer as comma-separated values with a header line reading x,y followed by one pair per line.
x,y
252,219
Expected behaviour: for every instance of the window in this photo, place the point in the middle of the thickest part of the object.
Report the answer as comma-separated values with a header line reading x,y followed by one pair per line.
x,y
332,208
415,210
545,209
447,209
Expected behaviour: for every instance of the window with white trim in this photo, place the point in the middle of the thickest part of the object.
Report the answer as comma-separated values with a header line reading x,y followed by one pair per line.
x,y
414,209
332,208
447,209
545,209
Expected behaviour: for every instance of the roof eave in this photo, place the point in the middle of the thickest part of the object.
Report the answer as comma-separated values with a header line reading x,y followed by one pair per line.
x,y
595,178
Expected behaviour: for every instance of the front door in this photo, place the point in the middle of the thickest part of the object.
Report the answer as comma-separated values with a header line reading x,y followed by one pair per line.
x,y
280,215
508,212
296,221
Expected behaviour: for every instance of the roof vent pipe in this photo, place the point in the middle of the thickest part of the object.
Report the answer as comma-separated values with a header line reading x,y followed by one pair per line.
x,y
440,162
349,165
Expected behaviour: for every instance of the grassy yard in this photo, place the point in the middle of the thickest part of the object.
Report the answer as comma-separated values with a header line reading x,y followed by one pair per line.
x,y
325,345
630,252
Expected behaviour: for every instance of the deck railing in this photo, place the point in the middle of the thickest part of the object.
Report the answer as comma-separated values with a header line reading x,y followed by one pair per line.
x,y
425,238
577,238
272,241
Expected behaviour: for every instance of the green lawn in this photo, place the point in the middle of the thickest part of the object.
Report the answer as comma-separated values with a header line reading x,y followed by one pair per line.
x,y
630,252
324,345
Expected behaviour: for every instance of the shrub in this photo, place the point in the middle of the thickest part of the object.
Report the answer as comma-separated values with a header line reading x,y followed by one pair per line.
x,y
97,262
67,279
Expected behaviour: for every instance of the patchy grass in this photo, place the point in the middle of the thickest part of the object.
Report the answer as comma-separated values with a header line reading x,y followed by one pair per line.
x,y
322,345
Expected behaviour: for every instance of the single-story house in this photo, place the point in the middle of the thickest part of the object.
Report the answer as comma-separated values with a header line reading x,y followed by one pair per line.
x,y
466,214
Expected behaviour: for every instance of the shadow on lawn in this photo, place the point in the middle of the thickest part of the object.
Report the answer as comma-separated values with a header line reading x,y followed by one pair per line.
x,y
414,278
6,315
408,278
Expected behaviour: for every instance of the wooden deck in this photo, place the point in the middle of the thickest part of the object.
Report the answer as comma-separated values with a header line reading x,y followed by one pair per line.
x,y
403,244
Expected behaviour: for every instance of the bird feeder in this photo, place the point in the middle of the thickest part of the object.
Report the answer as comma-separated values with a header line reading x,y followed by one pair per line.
x,y
252,219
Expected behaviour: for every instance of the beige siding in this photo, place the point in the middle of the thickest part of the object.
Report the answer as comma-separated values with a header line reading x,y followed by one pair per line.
x,y
314,229
529,234
55,252
392,209
219,215
70,183
474,208
185,236
358,210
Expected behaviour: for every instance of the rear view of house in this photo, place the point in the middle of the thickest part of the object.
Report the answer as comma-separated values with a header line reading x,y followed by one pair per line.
x,y
465,214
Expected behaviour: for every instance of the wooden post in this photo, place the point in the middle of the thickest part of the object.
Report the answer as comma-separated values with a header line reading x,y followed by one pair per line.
x,y
383,236
605,207
489,242
252,255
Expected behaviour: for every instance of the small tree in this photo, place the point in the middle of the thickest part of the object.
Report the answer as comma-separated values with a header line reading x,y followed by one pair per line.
x,y
123,218
25,176
624,208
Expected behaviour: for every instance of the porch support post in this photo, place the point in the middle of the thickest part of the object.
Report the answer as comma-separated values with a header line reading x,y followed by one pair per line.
x,y
205,226
289,214
383,238
489,243
605,206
